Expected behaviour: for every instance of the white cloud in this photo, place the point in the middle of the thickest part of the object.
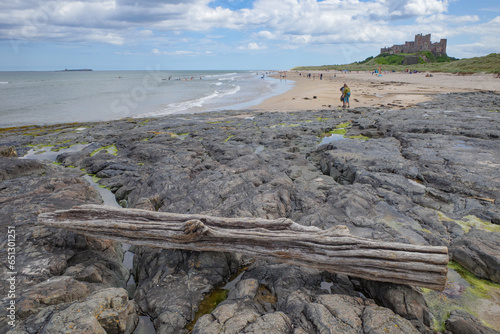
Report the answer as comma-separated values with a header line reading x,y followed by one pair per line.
x,y
413,8
491,9
252,46
265,34
425,7
174,53
145,33
289,24
485,38
447,19
105,37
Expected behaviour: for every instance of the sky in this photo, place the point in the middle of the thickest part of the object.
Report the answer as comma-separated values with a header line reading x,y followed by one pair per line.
x,y
232,34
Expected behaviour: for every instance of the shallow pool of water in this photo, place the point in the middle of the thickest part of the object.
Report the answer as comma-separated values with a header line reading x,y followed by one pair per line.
x,y
145,326
331,138
107,196
45,153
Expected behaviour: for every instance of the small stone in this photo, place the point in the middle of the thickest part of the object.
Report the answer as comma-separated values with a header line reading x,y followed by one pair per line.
x,y
8,151
90,274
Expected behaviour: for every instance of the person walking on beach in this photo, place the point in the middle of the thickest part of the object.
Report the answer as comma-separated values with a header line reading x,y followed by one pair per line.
x,y
346,93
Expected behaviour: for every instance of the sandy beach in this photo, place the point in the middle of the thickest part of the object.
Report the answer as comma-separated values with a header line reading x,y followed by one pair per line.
x,y
392,89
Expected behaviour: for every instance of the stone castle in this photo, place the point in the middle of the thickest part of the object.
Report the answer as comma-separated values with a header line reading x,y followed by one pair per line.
x,y
421,43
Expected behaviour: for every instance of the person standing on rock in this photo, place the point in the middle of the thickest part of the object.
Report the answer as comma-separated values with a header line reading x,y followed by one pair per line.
x,y
346,93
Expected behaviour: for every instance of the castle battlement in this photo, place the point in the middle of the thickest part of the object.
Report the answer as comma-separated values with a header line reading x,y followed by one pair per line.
x,y
421,43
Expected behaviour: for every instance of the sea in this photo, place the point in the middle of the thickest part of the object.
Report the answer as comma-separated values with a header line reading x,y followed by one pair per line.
x,y
43,98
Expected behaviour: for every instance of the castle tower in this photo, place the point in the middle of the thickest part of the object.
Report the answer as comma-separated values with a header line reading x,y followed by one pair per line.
x,y
422,40
426,39
443,42
418,39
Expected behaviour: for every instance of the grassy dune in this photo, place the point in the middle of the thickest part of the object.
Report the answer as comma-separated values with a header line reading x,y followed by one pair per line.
x,y
487,64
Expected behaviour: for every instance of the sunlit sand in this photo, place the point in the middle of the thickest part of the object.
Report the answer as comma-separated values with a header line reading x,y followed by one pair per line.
x,y
393,90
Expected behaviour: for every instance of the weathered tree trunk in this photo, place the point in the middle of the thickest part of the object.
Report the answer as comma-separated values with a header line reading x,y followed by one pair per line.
x,y
333,250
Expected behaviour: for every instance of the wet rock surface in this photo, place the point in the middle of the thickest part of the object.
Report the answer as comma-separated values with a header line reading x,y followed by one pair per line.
x,y
397,175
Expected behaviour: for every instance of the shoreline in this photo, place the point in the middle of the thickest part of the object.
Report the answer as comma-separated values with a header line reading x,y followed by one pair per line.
x,y
393,90
105,96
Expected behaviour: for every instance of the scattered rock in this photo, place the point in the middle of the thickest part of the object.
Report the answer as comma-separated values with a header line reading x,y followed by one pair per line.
x,y
402,300
11,168
90,274
107,311
8,151
57,290
461,322
381,320
479,252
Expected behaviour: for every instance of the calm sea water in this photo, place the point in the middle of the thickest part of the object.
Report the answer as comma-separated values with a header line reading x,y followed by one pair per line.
x,y
40,98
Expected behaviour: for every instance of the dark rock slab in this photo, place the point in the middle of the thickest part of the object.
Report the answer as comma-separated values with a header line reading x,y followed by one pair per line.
x,y
402,300
105,311
461,322
11,168
58,290
479,252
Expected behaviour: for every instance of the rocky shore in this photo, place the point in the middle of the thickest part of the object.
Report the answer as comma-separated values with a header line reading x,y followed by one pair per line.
x,y
427,175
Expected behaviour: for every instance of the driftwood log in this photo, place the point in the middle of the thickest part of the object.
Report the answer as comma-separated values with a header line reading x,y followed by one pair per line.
x,y
333,250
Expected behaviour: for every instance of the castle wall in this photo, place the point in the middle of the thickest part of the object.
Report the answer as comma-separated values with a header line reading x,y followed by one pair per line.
x,y
421,43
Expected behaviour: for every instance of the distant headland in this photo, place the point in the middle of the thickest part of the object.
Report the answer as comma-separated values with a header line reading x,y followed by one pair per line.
x,y
77,70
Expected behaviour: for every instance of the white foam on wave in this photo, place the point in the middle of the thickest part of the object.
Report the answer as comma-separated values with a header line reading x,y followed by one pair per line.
x,y
235,90
4,82
174,108
220,75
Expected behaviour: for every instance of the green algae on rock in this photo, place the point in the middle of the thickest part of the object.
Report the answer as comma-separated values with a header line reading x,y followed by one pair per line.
x,y
360,137
111,149
340,129
208,304
465,291
471,221
228,138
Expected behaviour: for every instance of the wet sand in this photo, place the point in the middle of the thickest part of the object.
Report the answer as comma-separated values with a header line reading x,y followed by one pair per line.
x,y
393,90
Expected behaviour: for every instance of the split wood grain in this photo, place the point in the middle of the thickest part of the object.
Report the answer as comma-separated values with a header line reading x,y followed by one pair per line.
x,y
333,250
